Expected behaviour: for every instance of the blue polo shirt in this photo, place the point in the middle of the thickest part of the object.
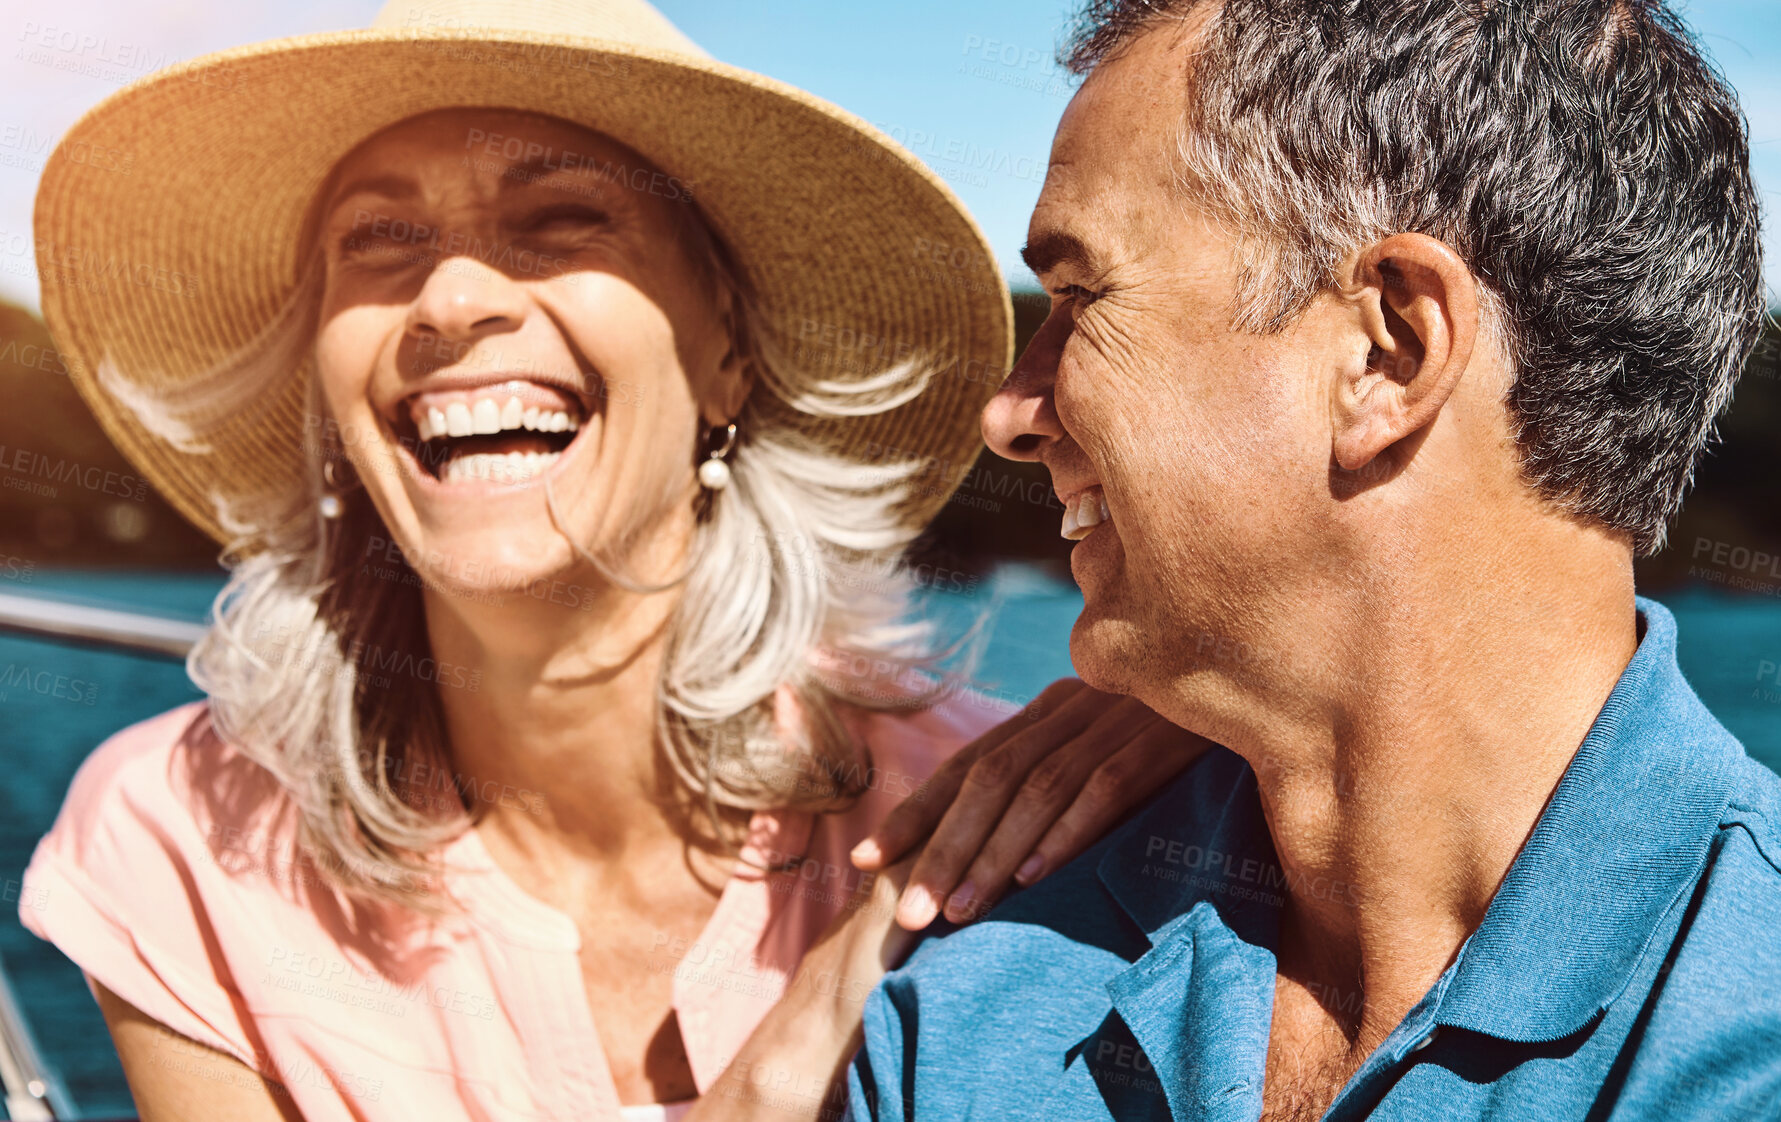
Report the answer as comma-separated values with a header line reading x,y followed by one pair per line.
x,y
1628,968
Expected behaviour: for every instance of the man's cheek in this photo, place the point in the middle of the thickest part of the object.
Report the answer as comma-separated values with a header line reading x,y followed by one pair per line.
x,y
1098,397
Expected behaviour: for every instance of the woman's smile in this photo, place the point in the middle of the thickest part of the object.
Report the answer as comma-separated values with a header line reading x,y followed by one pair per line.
x,y
494,433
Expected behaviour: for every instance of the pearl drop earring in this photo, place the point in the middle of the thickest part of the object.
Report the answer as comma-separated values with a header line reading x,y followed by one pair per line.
x,y
330,504
714,473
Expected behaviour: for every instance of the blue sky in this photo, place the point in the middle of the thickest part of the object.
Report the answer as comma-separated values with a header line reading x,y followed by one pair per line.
x,y
967,84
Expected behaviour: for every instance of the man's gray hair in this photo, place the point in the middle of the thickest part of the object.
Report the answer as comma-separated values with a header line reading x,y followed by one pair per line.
x,y
1582,157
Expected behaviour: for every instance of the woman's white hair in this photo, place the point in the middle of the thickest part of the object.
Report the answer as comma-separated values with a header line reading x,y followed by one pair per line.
x,y
317,663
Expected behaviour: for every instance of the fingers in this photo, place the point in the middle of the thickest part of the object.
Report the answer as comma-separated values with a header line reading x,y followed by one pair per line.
x,y
916,816
1124,781
988,788
1051,788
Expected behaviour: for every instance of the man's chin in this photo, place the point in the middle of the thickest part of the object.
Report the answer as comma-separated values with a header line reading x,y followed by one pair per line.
x,y
1096,653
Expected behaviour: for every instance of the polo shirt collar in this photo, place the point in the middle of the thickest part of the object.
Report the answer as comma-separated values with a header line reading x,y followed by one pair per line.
x,y
1205,840
1622,839
1193,872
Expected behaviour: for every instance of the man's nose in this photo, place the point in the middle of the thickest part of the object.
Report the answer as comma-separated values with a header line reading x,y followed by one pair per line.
x,y
1022,417
464,299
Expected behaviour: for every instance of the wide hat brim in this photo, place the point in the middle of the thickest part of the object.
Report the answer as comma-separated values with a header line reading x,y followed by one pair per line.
x,y
169,221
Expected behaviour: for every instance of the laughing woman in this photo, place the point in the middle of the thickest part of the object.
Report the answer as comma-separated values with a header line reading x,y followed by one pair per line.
x,y
564,401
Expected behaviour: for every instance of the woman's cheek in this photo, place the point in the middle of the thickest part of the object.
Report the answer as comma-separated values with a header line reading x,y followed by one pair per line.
x,y
346,348
345,358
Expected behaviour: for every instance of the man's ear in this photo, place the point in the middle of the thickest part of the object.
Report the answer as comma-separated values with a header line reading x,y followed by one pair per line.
x,y
1418,303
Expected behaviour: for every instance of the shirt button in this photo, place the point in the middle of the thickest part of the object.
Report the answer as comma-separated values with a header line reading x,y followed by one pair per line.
x,y
1425,1041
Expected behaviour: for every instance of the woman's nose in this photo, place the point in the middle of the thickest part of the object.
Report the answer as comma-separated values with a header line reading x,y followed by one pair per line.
x,y
1022,417
464,299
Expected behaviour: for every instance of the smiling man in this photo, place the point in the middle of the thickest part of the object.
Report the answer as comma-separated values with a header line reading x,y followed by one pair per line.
x,y
1385,334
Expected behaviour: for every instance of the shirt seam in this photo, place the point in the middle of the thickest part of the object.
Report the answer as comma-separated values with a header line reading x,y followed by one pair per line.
x,y
1767,846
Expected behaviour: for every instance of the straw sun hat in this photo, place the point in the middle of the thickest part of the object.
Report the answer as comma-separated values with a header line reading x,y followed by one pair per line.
x,y
160,266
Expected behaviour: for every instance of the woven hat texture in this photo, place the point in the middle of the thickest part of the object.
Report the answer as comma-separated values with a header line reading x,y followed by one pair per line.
x,y
158,267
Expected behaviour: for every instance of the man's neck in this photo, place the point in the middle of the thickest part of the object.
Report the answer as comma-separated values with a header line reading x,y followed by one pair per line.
x,y
1447,713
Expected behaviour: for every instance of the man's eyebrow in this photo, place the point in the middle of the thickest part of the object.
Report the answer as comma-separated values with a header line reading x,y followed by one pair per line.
x,y
1053,248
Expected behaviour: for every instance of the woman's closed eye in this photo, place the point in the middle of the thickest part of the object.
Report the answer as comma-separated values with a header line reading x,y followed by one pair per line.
x,y
564,218
365,248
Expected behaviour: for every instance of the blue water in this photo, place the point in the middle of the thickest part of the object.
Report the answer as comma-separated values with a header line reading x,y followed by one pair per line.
x,y
45,737
1728,648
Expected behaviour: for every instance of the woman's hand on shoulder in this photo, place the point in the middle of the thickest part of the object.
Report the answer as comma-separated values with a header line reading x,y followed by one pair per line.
x,y
1025,797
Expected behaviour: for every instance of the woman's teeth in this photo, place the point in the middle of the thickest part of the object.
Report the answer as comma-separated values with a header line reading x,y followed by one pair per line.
x,y
487,416
1088,511
497,467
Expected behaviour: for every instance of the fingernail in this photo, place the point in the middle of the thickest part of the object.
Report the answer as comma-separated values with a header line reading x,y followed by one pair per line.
x,y
1030,869
918,907
866,853
958,909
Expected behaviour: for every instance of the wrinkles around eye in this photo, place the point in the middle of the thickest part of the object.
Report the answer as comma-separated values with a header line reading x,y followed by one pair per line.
x,y
567,216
